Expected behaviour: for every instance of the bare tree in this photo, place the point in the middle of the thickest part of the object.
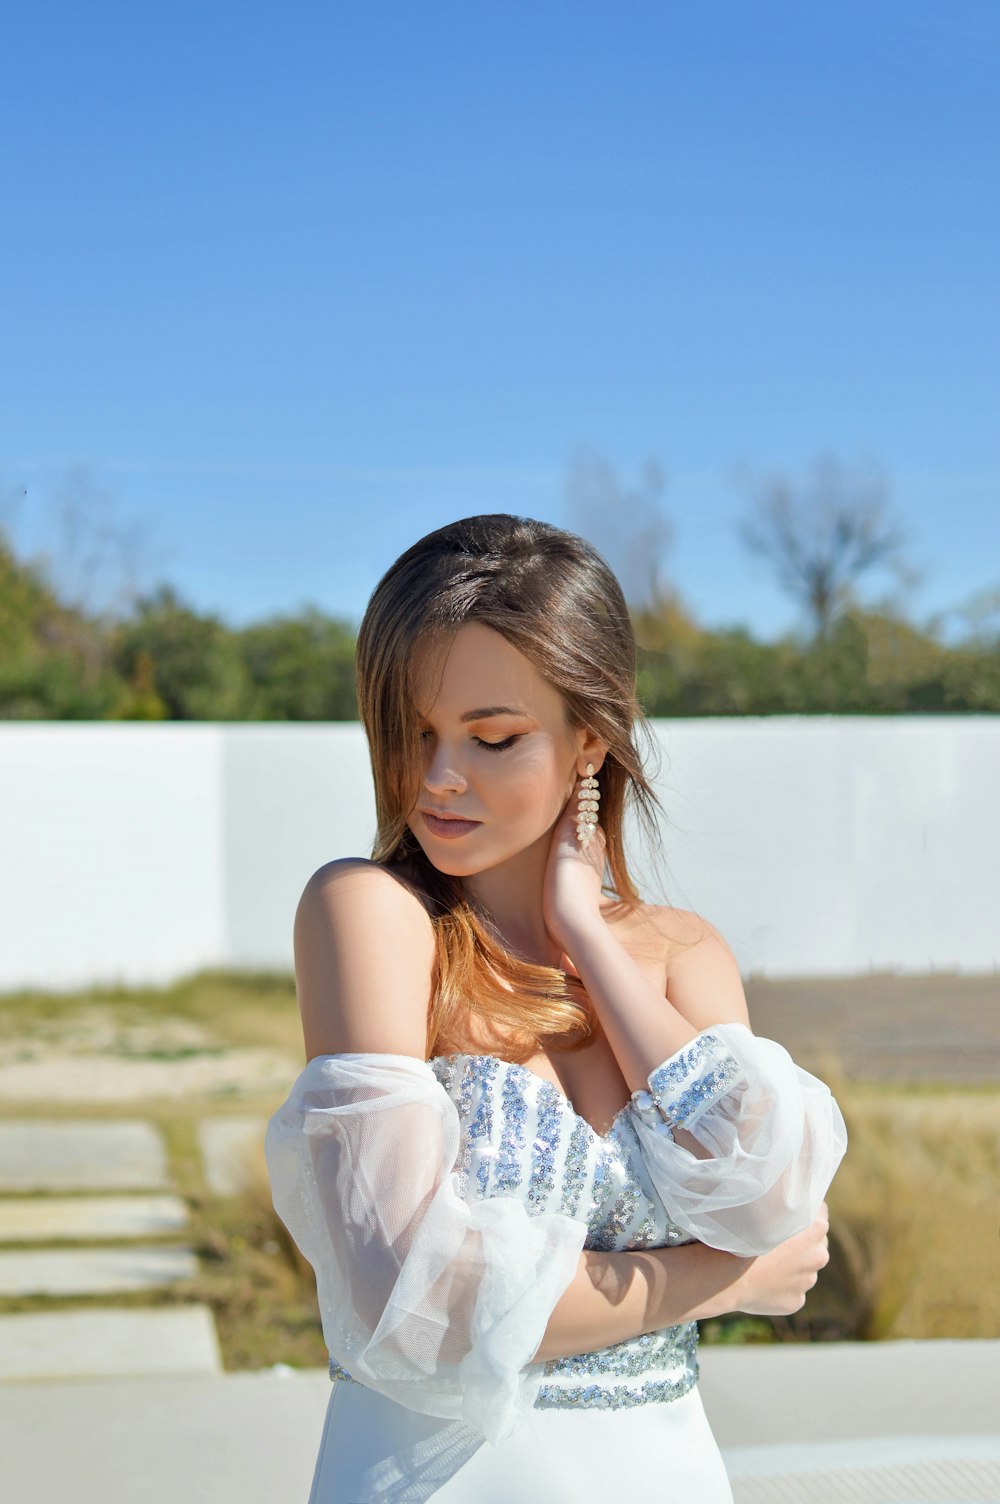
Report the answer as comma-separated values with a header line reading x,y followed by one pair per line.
x,y
626,524
97,557
822,534
92,557
12,495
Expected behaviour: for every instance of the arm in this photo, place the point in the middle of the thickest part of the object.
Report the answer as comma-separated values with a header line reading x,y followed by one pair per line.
x,y
740,1143
615,1296
767,1139
434,1302
643,1026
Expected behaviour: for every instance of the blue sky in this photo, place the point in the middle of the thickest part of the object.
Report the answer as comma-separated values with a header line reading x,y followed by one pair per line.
x,y
291,285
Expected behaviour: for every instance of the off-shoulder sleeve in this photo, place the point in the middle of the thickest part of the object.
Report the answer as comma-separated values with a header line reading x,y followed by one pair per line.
x,y
437,1303
770,1137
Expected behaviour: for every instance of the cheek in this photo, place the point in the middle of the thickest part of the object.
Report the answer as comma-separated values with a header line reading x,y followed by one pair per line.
x,y
533,793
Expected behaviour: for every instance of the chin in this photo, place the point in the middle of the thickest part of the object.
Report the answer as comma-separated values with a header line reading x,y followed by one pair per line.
x,y
468,864
456,868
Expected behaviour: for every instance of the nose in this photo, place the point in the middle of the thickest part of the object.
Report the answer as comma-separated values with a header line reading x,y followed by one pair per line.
x,y
441,774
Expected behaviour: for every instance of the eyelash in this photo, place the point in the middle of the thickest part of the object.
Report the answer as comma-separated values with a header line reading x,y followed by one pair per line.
x,y
508,741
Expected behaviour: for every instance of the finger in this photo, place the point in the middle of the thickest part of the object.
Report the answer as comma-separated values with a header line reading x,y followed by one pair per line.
x,y
566,965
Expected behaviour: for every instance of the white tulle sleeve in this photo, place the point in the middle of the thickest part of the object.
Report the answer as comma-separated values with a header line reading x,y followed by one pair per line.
x,y
437,1303
770,1137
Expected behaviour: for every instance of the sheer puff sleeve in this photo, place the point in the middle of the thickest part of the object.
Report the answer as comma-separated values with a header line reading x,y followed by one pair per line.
x,y
437,1303
769,1138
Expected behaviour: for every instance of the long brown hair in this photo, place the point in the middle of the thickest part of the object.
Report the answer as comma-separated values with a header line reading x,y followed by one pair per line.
x,y
553,597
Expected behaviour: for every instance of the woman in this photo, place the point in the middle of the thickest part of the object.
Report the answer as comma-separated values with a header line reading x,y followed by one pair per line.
x,y
535,1139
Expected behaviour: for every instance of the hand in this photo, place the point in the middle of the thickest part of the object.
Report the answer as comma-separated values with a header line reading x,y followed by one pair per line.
x,y
776,1283
571,892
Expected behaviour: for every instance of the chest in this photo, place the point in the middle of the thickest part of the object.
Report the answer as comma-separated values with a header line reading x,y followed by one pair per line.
x,y
590,1076
520,1137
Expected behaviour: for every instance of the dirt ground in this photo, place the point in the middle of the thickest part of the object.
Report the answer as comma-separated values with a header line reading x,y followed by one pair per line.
x,y
940,1028
226,1037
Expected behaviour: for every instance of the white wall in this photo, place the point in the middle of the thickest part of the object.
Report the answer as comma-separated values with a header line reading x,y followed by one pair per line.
x,y
818,845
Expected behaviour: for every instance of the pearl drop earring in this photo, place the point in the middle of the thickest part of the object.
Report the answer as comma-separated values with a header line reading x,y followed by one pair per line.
x,y
589,801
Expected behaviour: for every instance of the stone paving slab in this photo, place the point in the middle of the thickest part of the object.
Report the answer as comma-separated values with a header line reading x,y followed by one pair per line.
x,y
73,1155
100,1077
43,1219
93,1271
228,1147
108,1343
891,1470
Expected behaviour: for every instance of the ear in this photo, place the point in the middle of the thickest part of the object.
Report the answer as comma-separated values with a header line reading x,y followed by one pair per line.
x,y
589,748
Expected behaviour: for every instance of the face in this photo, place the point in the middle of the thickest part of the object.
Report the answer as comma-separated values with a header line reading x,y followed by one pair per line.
x,y
498,753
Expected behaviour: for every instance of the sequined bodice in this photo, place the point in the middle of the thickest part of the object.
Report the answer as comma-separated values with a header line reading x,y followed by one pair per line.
x,y
521,1137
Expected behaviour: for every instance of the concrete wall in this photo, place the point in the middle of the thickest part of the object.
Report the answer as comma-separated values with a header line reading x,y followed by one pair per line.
x,y
818,845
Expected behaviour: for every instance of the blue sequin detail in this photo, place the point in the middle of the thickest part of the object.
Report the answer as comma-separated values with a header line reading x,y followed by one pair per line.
x,y
654,1368
614,1222
599,1187
685,1063
685,1085
575,1170
663,1351
551,1109
464,1105
509,1164
481,1127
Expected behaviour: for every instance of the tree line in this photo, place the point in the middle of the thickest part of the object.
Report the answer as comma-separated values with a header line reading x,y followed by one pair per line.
x,y
158,658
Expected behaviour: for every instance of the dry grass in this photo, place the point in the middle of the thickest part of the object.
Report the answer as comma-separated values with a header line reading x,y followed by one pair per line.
x,y
914,1208
235,1008
914,1222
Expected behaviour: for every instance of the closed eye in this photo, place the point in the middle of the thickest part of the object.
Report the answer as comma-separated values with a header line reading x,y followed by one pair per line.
x,y
508,741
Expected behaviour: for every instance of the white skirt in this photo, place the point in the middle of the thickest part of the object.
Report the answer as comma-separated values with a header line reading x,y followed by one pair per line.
x,y
375,1450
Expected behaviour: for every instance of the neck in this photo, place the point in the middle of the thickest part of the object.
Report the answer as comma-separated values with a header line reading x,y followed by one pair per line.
x,y
510,896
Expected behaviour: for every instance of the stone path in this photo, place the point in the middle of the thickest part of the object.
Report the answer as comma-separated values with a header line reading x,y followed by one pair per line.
x,y
50,1219
101,1342
81,1156
93,1271
88,1159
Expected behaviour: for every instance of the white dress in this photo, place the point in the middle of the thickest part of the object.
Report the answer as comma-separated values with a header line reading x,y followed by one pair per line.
x,y
444,1206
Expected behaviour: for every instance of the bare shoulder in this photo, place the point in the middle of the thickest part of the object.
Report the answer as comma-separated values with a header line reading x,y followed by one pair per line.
x,y
703,978
364,959
356,879
656,929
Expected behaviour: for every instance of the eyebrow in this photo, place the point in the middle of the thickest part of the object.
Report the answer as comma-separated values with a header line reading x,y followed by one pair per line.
x,y
488,710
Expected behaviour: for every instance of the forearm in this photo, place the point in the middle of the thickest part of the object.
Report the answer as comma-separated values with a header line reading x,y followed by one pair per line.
x,y
615,1296
642,1026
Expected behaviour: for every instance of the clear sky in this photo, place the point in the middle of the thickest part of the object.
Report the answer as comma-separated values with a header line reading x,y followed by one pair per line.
x,y
297,282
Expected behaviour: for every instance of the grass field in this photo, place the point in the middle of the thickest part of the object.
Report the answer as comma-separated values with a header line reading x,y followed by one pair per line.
x,y
914,1209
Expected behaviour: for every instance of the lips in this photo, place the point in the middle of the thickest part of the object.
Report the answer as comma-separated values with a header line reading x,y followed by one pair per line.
x,y
448,827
